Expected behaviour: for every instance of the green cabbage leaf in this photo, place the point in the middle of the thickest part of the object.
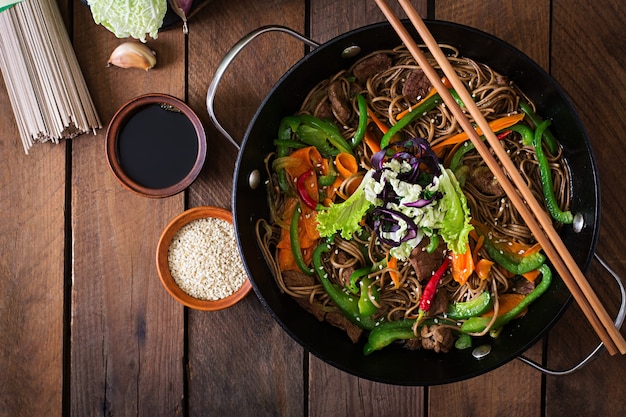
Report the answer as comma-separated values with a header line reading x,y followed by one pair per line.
x,y
130,18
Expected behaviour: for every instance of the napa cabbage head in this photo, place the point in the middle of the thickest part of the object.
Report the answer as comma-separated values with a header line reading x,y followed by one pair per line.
x,y
130,18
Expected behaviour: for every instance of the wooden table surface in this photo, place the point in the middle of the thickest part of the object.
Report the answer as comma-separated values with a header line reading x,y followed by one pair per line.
x,y
86,329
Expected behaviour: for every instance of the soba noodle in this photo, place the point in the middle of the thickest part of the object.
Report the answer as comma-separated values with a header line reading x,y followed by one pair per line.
x,y
497,98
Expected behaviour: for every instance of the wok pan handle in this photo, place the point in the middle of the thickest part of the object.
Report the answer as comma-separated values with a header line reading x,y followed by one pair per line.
x,y
619,320
227,60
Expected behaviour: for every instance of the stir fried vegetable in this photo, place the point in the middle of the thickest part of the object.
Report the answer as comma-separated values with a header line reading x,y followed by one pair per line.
x,y
390,227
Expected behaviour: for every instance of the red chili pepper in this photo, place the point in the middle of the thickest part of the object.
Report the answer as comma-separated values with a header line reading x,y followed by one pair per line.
x,y
431,287
302,191
504,134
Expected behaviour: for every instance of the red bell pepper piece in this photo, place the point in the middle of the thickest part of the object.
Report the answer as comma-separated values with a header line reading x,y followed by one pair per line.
x,y
303,192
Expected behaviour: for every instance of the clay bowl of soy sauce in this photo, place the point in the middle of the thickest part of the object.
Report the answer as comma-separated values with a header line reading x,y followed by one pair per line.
x,y
155,145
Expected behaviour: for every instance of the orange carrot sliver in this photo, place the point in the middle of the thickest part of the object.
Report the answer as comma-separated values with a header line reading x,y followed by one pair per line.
x,y
522,249
383,127
346,164
495,125
462,265
532,275
483,268
371,142
479,244
392,264
506,303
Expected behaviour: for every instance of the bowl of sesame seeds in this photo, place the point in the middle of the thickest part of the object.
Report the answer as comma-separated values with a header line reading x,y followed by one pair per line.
x,y
198,261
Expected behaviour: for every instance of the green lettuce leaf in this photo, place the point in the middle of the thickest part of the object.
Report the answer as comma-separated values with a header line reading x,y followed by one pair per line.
x,y
346,216
130,18
455,227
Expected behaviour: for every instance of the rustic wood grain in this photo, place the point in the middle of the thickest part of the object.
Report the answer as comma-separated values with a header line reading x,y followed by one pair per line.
x,y
330,18
31,272
588,49
525,25
126,331
240,360
334,392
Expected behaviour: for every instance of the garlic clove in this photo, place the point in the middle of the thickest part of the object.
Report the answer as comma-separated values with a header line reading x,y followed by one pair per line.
x,y
133,55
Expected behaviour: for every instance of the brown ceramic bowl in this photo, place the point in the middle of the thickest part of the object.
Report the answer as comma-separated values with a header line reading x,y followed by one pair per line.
x,y
155,145
163,265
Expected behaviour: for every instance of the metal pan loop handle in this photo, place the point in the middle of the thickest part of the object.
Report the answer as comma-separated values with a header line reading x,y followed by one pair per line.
x,y
227,60
619,320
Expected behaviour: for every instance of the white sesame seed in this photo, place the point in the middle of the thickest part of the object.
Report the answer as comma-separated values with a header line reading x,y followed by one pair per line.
x,y
204,260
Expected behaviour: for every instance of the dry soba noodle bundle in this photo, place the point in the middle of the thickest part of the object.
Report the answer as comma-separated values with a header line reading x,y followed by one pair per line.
x,y
46,88
386,221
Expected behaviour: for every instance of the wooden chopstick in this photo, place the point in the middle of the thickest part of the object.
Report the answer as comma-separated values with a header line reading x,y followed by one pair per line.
x,y
537,220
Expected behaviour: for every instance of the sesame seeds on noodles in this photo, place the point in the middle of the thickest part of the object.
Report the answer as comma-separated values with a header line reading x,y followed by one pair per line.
x,y
204,261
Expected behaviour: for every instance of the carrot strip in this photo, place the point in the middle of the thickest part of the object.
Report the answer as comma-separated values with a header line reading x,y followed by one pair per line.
x,y
392,264
479,244
532,275
523,249
495,125
431,93
346,165
311,159
483,268
286,260
507,302
462,265
383,127
371,142
308,223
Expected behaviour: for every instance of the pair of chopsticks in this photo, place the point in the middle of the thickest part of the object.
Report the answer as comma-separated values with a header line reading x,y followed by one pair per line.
x,y
519,193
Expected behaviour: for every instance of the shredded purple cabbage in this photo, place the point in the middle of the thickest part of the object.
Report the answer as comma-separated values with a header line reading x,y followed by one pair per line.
x,y
384,220
418,153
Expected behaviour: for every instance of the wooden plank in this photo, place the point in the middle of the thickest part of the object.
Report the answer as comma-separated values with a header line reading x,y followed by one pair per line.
x,y
332,391
32,269
587,60
240,360
487,394
127,333
513,389
525,25
32,204
330,18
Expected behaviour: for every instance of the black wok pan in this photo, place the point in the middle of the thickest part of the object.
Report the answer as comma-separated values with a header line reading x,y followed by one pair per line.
x,y
396,365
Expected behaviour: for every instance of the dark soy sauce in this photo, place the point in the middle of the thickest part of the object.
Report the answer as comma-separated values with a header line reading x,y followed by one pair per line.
x,y
157,146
